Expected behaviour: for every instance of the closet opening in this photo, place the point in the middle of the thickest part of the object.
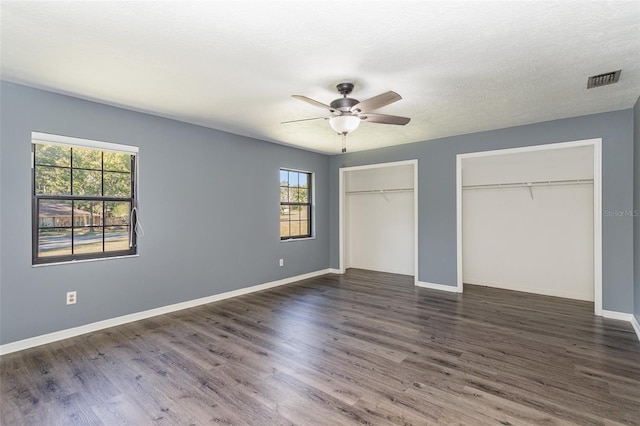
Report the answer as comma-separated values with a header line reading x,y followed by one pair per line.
x,y
529,219
378,217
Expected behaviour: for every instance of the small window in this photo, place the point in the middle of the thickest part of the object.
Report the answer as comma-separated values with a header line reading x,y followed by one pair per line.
x,y
82,199
295,204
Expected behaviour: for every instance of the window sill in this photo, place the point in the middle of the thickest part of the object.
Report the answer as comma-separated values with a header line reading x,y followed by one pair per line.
x,y
297,239
70,262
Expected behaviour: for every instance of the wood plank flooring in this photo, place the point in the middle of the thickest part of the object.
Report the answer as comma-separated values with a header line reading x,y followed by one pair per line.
x,y
364,348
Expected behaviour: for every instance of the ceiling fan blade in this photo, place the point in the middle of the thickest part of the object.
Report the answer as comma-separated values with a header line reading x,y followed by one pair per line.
x,y
312,102
305,119
376,102
384,119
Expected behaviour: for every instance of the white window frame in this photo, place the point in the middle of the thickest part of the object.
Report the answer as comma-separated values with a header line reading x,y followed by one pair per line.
x,y
73,142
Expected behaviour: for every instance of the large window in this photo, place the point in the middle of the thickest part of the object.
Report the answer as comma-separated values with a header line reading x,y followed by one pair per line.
x,y
295,204
83,198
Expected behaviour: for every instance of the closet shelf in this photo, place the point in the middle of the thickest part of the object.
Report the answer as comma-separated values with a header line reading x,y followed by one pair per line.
x,y
379,191
530,184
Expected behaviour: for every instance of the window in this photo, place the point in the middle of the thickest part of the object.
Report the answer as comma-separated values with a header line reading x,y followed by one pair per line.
x,y
295,204
83,195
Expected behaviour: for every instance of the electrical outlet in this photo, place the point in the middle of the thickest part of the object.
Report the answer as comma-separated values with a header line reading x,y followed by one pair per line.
x,y
281,262
72,297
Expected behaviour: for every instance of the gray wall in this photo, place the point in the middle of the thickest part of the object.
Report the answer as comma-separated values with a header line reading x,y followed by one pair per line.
x,y
636,206
437,193
208,203
220,190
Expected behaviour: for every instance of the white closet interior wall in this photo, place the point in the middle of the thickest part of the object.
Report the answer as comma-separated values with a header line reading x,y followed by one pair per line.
x,y
379,226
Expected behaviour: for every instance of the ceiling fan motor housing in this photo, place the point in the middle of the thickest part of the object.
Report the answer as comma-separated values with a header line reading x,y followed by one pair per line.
x,y
344,104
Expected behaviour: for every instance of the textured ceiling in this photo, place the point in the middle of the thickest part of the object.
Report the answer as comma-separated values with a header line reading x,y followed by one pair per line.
x,y
460,67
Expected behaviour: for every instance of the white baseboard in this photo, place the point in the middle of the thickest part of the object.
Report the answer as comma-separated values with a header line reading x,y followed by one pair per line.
x,y
622,316
636,325
617,315
335,271
442,287
112,322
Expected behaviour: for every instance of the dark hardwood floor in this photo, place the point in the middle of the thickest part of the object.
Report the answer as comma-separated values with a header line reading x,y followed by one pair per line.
x,y
363,348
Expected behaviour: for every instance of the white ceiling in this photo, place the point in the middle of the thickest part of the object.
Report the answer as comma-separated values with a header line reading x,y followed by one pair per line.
x,y
460,67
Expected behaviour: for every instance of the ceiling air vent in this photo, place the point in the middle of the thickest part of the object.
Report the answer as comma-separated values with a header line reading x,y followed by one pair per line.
x,y
603,79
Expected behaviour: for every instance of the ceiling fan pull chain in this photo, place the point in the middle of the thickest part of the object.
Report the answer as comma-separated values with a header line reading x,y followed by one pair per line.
x,y
344,143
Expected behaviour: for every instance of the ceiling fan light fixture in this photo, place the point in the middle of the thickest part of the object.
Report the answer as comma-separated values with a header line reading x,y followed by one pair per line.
x,y
344,124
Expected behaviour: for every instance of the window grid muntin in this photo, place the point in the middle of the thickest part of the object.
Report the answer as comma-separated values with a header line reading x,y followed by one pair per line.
x,y
37,258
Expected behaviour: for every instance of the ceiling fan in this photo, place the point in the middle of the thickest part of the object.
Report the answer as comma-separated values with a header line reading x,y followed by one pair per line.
x,y
348,112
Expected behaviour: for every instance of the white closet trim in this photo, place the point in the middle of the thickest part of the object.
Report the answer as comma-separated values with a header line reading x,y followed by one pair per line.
x,y
597,205
342,201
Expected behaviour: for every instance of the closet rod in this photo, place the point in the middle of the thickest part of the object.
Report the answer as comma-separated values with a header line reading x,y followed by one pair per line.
x,y
530,184
380,191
